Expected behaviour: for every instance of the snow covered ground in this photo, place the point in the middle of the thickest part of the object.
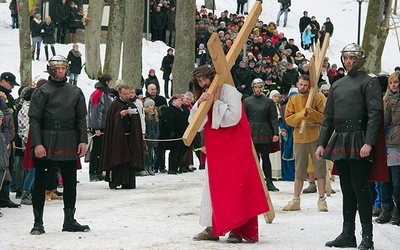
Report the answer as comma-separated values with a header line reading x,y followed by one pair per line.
x,y
163,212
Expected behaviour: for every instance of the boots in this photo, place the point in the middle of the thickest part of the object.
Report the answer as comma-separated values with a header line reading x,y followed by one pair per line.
x,y
346,238
385,216
293,205
270,185
312,188
53,50
5,196
33,54
38,228
366,242
26,198
70,224
37,54
322,206
92,177
54,195
395,220
149,171
46,52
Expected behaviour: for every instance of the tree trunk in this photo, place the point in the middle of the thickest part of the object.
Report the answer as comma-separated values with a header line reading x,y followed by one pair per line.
x,y
132,46
92,40
25,54
184,52
375,33
112,59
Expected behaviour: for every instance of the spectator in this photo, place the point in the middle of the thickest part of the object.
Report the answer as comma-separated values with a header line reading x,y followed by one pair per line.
x,y
99,103
240,6
292,47
75,18
329,26
242,79
152,79
75,64
285,4
305,20
202,56
152,133
170,33
14,14
167,64
307,38
48,36
36,33
289,78
62,21
158,22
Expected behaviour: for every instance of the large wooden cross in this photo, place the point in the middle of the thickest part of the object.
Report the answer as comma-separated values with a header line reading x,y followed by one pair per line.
x,y
315,67
223,67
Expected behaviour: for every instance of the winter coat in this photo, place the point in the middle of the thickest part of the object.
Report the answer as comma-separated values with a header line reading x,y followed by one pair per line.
x,y
285,4
4,162
75,61
99,103
392,119
167,63
307,36
242,76
152,131
152,80
303,23
158,100
171,17
74,18
289,78
158,20
175,120
48,35
62,13
36,28
329,27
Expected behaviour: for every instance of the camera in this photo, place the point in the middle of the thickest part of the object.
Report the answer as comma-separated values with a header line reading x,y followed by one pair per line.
x,y
249,42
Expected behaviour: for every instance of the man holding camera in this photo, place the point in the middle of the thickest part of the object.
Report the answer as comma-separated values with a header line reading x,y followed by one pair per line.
x,y
285,4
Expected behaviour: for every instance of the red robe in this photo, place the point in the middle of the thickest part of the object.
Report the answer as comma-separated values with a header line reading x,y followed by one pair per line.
x,y
237,194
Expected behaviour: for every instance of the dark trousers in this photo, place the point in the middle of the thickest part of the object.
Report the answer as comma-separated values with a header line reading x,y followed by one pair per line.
x,y
160,158
386,190
240,7
97,142
175,157
43,177
395,171
61,31
263,150
354,183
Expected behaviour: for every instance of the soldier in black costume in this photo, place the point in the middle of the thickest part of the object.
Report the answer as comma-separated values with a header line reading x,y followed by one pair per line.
x,y
263,118
350,127
57,119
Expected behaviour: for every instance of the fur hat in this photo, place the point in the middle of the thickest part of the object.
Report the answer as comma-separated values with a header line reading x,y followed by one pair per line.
x,y
148,102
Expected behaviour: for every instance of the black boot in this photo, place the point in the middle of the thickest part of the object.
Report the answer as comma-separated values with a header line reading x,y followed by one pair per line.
x,y
5,196
385,216
37,54
396,200
270,185
46,52
53,50
33,54
346,238
366,242
394,220
38,228
70,224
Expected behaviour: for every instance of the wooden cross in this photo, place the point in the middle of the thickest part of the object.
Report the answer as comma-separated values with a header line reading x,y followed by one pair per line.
x,y
223,67
315,67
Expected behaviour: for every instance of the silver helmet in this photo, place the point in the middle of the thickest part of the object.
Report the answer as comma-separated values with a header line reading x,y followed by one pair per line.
x,y
356,51
55,62
257,81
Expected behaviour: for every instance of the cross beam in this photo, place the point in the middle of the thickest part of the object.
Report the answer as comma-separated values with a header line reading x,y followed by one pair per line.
x,y
316,63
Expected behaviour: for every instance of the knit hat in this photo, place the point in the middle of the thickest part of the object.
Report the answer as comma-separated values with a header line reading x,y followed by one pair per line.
x,y
273,92
148,102
152,71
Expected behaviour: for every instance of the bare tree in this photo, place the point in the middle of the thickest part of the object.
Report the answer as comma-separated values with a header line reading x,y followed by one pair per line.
x,y
112,59
375,33
185,46
132,43
92,39
25,66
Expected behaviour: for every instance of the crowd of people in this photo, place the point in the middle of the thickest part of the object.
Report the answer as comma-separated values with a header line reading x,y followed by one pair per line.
x,y
131,132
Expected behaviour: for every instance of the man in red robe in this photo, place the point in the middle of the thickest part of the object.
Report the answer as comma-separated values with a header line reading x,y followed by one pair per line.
x,y
234,195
